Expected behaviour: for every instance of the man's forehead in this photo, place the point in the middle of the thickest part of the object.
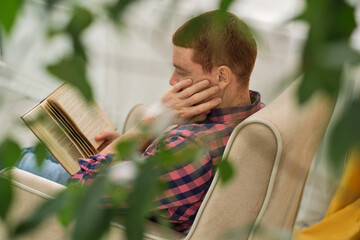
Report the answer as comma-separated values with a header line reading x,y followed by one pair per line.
x,y
182,53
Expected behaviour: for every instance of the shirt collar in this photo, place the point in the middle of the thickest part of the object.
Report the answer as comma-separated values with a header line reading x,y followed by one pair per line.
x,y
236,114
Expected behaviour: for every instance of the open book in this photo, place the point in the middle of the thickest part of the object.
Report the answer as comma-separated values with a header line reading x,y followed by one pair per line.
x,y
67,124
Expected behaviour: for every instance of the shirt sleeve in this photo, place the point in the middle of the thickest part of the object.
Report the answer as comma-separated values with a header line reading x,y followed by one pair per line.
x,y
89,167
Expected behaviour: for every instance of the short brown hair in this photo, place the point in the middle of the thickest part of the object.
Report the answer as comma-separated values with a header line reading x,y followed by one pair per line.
x,y
219,38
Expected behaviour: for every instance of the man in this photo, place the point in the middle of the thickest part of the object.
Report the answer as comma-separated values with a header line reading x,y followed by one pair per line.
x,y
213,56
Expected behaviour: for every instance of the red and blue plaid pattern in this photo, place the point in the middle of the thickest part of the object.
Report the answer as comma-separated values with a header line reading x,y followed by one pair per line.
x,y
187,184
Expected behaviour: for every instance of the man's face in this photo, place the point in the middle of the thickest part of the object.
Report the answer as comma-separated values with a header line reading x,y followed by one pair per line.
x,y
185,68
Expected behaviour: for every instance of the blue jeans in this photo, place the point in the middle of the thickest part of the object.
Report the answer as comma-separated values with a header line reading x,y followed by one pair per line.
x,y
50,168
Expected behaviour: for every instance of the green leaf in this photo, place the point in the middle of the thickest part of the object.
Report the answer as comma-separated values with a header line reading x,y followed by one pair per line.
x,y
66,213
334,54
96,226
226,171
81,19
118,195
72,69
9,10
125,149
6,194
318,78
168,158
140,200
40,153
10,152
117,9
50,3
92,215
69,208
225,5
327,47
345,136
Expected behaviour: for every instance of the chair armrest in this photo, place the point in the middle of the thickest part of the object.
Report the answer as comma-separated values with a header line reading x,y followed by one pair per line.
x,y
30,191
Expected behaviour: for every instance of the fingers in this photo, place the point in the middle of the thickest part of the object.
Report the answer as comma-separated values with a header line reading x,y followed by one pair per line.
x,y
197,87
106,147
181,85
189,101
102,146
102,136
107,135
202,96
205,107
199,118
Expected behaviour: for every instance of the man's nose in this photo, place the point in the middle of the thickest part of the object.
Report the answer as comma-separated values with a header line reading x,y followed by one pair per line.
x,y
173,80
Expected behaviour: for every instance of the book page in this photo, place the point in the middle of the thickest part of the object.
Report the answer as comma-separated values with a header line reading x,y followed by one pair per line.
x,y
57,142
88,117
67,129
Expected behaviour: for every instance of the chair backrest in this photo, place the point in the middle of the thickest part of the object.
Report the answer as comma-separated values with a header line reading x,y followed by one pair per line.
x,y
134,116
271,152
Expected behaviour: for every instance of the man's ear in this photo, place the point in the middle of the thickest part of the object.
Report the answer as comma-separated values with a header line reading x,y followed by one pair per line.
x,y
224,75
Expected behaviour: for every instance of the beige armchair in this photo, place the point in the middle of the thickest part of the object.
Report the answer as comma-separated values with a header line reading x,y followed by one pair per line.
x,y
271,151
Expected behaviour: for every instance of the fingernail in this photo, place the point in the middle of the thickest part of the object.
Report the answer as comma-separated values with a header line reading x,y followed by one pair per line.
x,y
206,82
215,88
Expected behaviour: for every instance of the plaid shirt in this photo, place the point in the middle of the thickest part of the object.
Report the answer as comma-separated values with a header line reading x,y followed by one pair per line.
x,y
187,184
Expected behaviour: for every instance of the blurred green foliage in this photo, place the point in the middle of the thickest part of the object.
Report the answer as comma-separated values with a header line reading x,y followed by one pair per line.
x,y
140,200
226,171
346,135
51,3
224,5
327,50
117,8
81,19
126,149
327,47
69,207
40,153
8,13
91,214
10,152
73,69
6,193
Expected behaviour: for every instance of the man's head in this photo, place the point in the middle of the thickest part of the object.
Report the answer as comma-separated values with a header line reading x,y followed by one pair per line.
x,y
214,46
219,38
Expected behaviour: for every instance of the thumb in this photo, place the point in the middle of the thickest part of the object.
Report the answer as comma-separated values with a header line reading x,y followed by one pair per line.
x,y
102,136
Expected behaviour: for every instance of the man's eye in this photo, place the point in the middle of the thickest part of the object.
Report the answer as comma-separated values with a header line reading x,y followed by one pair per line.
x,y
181,73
